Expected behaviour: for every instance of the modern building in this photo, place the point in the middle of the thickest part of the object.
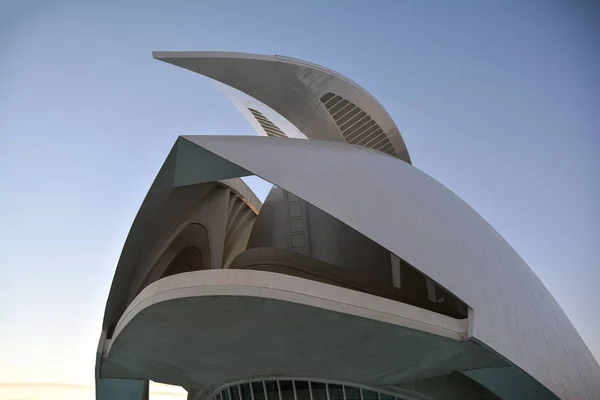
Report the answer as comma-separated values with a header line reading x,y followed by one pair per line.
x,y
359,278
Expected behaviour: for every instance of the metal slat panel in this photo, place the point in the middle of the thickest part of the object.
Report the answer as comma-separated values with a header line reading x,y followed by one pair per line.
x,y
269,127
356,125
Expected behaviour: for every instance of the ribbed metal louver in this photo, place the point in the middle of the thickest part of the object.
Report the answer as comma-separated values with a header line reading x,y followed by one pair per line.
x,y
356,125
270,128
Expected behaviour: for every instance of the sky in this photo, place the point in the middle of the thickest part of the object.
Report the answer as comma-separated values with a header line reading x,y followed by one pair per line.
x,y
498,101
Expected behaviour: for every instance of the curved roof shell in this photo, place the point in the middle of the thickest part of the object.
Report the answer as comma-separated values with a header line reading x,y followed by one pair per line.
x,y
321,103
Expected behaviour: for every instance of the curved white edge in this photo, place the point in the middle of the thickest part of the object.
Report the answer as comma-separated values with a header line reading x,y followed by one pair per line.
x,y
160,55
297,61
288,288
338,84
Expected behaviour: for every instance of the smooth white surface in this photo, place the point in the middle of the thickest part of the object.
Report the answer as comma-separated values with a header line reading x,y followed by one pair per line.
x,y
208,328
293,88
288,288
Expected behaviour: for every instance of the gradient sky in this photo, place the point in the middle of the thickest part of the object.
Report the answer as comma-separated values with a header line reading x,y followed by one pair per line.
x,y
498,101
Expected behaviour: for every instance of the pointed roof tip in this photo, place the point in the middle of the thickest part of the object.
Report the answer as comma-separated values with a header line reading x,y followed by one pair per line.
x,y
161,55
226,67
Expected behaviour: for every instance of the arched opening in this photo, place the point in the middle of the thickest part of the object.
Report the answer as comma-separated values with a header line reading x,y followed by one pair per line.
x,y
189,259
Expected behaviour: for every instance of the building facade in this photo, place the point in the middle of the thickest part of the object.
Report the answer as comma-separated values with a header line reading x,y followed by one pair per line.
x,y
358,278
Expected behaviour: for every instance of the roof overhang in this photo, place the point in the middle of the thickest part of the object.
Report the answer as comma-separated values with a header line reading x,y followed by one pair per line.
x,y
207,328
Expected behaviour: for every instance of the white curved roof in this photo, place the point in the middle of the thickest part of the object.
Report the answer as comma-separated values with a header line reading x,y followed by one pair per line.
x,y
321,103
423,222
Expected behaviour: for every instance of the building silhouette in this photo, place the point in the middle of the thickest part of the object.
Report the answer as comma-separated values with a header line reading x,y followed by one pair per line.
x,y
359,278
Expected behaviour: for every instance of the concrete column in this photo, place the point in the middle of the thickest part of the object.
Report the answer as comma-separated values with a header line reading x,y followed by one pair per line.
x,y
121,389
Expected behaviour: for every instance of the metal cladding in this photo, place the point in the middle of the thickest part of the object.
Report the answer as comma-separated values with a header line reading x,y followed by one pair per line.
x,y
359,276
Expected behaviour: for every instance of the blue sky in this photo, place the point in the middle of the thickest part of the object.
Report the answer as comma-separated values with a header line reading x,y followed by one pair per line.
x,y
497,100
